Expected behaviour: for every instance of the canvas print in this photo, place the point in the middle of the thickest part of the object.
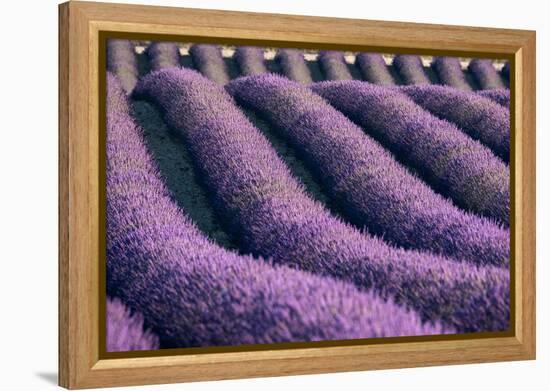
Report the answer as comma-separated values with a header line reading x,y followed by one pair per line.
x,y
259,195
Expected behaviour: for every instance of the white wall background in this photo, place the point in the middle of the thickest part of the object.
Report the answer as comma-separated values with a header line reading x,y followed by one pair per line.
x,y
28,196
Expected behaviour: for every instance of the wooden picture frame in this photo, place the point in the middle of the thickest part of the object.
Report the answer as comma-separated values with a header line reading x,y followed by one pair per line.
x,y
81,25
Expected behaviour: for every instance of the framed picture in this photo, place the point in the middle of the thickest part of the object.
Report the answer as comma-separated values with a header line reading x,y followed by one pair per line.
x,y
247,195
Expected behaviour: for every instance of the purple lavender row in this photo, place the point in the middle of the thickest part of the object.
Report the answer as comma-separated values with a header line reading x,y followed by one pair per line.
x,y
479,117
209,61
372,188
250,60
194,293
293,65
500,96
333,65
163,55
485,74
121,61
505,71
125,331
374,68
450,161
450,72
411,69
270,212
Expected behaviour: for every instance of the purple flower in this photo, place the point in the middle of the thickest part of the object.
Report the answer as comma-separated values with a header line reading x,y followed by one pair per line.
x,y
333,65
121,61
411,69
272,215
374,68
192,292
371,188
481,118
293,65
453,163
450,72
209,61
125,331
163,55
485,73
250,60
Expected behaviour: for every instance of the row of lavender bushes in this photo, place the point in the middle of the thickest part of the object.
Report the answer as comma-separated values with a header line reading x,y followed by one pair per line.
x,y
445,157
480,118
190,292
272,215
125,331
208,59
368,255
373,189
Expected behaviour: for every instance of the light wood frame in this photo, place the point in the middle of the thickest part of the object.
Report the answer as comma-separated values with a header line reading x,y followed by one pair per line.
x,y
80,23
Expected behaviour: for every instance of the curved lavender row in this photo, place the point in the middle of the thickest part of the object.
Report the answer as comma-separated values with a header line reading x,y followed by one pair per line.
x,y
194,293
293,65
125,331
209,61
485,73
374,68
373,189
334,65
505,71
450,72
250,60
273,216
411,69
500,96
121,61
453,163
163,55
479,117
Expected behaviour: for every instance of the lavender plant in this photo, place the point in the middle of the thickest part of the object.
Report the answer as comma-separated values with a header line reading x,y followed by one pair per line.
x,y
250,60
411,69
481,118
209,61
452,162
125,331
333,65
293,65
374,68
121,61
450,72
361,176
163,55
499,95
271,214
485,74
194,293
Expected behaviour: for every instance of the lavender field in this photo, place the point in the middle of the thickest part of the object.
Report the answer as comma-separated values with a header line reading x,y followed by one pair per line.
x,y
259,196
